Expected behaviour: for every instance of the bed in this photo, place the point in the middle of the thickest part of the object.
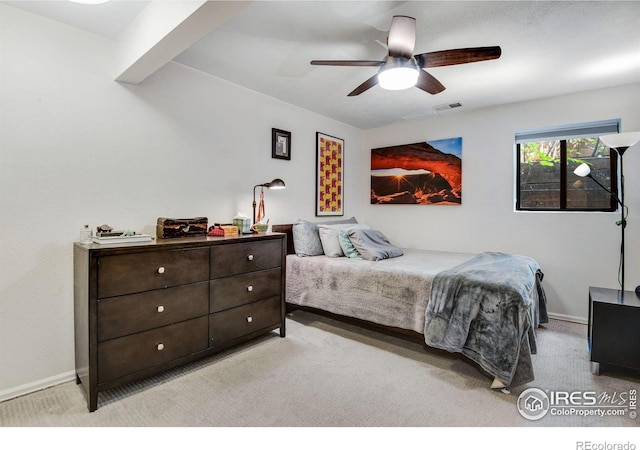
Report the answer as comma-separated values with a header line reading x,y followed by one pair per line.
x,y
485,306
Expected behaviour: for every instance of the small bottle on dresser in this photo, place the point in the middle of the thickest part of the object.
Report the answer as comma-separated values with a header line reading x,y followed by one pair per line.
x,y
85,235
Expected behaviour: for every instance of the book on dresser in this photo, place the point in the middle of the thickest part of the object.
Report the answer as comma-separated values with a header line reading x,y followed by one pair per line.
x,y
144,307
122,239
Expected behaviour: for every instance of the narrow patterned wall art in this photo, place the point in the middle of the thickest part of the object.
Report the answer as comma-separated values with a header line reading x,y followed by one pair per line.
x,y
329,175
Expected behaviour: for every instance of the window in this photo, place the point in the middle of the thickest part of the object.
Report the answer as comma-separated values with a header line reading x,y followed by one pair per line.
x,y
547,158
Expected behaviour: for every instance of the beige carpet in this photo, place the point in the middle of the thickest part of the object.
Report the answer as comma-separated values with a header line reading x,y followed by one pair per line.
x,y
329,374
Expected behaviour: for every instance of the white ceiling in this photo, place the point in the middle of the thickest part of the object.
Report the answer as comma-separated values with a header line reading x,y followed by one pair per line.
x,y
548,48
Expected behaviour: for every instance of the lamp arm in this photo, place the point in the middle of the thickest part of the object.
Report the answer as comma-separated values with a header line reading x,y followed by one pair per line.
x,y
254,202
603,187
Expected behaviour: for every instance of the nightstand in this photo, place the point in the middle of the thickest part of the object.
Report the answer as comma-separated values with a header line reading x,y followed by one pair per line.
x,y
613,334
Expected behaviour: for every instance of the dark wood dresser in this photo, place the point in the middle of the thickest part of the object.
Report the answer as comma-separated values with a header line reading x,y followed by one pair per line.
x,y
145,307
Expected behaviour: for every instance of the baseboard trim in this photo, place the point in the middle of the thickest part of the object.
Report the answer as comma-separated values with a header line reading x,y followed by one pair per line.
x,y
567,318
29,388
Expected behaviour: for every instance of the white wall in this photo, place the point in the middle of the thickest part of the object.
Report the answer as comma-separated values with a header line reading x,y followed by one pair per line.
x,y
575,250
79,148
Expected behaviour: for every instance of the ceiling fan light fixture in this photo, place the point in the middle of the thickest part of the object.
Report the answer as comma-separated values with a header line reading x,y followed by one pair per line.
x,y
397,74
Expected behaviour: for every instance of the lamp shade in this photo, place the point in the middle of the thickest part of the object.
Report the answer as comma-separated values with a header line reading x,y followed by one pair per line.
x,y
397,74
621,141
582,170
276,183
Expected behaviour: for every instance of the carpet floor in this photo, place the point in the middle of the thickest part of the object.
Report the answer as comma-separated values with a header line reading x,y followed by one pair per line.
x,y
329,374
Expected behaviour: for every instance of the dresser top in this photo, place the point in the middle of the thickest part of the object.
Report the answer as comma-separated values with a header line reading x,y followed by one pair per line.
x,y
188,242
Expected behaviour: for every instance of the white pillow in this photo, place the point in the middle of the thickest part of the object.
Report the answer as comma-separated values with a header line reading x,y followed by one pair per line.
x,y
329,238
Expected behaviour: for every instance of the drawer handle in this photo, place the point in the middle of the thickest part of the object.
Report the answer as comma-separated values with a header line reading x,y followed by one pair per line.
x,y
250,257
250,288
249,319
160,308
160,269
160,347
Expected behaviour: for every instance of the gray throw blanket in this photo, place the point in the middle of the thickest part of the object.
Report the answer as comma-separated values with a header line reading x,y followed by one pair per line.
x,y
483,308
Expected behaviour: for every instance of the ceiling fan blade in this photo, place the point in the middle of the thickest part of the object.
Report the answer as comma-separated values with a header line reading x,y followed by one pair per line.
x,y
402,36
346,63
458,56
371,82
429,83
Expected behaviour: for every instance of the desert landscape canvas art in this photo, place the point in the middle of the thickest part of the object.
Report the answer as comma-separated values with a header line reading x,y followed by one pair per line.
x,y
424,173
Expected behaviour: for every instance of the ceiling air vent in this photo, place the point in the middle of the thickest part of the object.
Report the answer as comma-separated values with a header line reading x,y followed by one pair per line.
x,y
447,106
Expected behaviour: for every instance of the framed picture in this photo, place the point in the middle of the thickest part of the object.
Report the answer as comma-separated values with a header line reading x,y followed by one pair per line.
x,y
329,175
424,173
280,144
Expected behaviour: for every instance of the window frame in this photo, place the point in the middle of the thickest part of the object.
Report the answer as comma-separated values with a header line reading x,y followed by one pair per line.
x,y
563,134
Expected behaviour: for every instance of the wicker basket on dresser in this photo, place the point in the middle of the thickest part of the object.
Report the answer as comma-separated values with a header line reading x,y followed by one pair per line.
x,y
146,307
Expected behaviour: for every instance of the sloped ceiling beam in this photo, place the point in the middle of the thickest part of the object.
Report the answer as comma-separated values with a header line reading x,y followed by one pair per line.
x,y
163,30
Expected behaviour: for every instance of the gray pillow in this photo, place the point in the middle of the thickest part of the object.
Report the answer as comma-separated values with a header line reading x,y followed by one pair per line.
x,y
329,238
306,237
373,245
345,244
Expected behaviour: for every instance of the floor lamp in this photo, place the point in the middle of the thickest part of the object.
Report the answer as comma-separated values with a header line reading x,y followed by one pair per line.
x,y
619,142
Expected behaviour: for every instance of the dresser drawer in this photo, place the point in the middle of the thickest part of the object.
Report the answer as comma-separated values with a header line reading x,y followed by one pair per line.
x,y
137,272
128,314
236,322
130,354
235,259
242,289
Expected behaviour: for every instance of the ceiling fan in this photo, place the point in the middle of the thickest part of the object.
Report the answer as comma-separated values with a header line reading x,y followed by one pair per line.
x,y
402,69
